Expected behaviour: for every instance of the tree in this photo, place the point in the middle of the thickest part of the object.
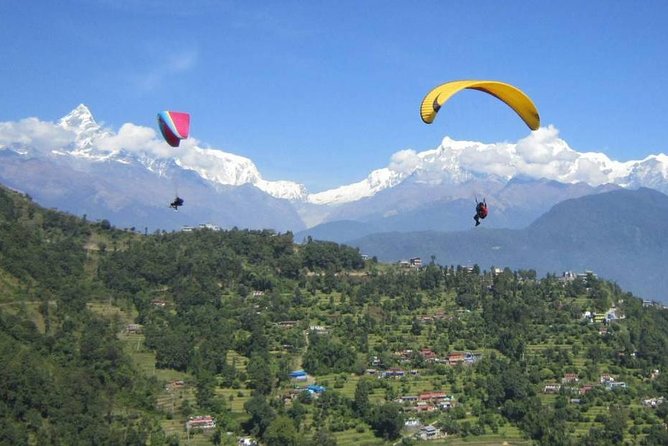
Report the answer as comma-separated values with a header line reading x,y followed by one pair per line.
x,y
282,432
361,404
261,415
322,438
259,373
387,421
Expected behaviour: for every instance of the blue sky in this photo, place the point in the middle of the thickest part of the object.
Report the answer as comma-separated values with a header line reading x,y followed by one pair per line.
x,y
324,92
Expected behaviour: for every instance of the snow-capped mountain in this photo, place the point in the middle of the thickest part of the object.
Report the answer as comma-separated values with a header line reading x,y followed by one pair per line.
x,y
133,166
541,155
143,145
129,176
377,181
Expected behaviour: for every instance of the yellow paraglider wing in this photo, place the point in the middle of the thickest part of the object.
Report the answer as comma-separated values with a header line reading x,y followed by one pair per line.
x,y
512,96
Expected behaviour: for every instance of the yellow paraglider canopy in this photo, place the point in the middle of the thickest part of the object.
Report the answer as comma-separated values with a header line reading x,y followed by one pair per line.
x,y
513,96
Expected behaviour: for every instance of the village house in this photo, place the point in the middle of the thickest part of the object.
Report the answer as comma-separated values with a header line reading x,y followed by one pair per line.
x,y
612,385
292,394
455,358
175,384
429,432
315,389
613,314
433,396
412,424
298,375
404,355
570,378
552,388
586,274
567,276
436,316
652,403
318,329
428,355
209,226
393,372
159,303
422,407
286,324
133,329
202,422
407,399
416,262
585,389
446,405
605,378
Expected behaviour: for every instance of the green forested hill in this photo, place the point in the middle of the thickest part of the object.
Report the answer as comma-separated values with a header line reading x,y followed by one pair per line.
x,y
64,377
110,337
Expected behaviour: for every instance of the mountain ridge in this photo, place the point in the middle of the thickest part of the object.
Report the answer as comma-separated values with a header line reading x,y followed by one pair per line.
x,y
621,235
417,190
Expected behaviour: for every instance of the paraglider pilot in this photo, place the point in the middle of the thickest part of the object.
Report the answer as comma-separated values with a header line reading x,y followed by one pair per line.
x,y
480,211
176,203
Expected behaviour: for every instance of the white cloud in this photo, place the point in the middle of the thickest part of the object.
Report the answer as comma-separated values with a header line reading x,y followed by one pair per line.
x,y
544,146
541,154
493,159
35,133
129,137
405,161
590,171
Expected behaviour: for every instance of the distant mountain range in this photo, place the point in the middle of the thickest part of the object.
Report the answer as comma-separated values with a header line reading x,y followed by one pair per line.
x,y
621,235
130,175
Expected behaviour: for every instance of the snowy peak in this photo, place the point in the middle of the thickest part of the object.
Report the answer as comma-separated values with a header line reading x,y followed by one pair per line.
x,y
225,168
144,146
81,123
649,172
79,120
542,154
377,181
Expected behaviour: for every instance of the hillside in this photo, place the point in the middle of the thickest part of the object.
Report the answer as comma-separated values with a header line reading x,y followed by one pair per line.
x,y
64,379
157,329
621,235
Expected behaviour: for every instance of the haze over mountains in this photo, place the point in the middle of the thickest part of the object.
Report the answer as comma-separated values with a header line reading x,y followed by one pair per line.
x,y
129,176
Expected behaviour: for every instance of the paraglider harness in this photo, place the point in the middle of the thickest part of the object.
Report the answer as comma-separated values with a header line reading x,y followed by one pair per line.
x,y
176,203
480,211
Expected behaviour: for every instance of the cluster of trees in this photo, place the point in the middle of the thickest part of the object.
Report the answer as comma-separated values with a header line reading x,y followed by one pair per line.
x,y
62,381
67,379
